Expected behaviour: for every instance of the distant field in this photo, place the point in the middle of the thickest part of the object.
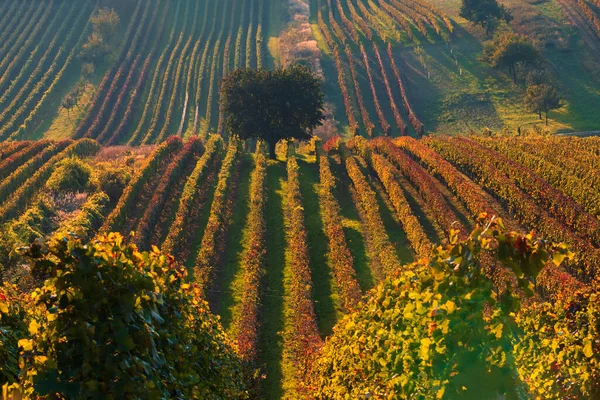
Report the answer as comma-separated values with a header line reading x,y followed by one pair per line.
x,y
436,53
391,66
39,47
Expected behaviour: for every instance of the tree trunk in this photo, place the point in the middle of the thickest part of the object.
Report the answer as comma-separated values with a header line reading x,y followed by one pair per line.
x,y
514,73
540,115
546,118
272,146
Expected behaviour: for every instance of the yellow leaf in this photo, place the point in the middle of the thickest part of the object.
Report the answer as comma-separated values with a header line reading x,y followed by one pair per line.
x,y
33,327
450,306
587,350
425,343
440,393
498,331
41,359
3,307
26,344
155,250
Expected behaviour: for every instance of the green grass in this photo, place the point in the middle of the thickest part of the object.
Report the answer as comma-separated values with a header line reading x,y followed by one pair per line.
x,y
231,278
271,341
327,304
204,214
353,228
451,103
274,28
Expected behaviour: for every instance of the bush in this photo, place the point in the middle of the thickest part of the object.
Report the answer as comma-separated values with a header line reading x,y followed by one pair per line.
x,y
439,329
111,322
113,180
70,175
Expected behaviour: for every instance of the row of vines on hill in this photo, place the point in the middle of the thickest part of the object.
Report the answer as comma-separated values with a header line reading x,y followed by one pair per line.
x,y
182,195
39,47
350,39
165,80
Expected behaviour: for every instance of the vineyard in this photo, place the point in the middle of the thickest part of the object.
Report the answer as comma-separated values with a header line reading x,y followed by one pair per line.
x,y
307,235
390,67
170,229
364,40
164,79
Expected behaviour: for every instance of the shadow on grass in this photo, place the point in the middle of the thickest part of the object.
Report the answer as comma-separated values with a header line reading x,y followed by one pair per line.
x,y
234,245
325,306
271,344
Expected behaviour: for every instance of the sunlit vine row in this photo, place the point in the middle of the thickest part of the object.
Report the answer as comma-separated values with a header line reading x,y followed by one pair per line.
x,y
382,121
253,262
339,253
397,116
173,173
302,339
148,171
520,204
213,239
386,254
194,195
412,117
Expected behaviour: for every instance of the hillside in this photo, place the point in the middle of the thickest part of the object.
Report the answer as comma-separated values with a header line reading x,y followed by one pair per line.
x,y
337,222
390,67
173,227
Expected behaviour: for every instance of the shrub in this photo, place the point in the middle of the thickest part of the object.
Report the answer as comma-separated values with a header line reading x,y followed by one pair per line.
x,y
110,321
113,180
70,175
438,329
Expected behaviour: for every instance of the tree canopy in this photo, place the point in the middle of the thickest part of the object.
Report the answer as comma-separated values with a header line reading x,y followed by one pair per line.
x,y
510,50
543,98
272,105
486,13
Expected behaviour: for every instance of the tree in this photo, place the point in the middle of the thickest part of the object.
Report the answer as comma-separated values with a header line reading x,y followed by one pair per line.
x,y
272,105
95,48
509,51
543,99
105,23
486,13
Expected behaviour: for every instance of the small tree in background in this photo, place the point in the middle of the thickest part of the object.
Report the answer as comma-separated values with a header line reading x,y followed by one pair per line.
x,y
487,13
272,105
543,99
509,51
105,22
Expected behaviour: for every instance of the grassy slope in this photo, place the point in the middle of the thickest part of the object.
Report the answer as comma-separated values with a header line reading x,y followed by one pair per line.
x,y
484,97
230,282
271,344
327,304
